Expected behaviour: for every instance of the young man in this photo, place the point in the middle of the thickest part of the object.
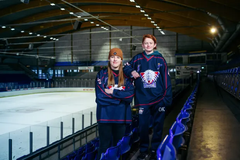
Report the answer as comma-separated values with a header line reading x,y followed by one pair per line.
x,y
153,92
114,93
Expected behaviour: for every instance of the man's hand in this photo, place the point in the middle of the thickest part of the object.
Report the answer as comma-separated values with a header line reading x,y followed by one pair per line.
x,y
109,91
135,74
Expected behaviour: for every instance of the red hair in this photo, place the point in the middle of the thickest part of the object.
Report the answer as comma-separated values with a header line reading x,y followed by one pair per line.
x,y
151,37
111,80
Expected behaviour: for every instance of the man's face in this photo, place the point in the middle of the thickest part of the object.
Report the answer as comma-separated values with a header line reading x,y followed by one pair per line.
x,y
148,45
115,62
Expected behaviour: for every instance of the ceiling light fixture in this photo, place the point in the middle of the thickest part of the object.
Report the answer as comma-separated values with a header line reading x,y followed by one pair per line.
x,y
213,30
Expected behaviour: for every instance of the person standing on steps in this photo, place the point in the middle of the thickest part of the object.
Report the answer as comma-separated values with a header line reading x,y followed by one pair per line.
x,y
114,93
153,93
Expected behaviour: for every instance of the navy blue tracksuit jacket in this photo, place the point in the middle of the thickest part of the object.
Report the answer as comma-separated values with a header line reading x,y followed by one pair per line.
x,y
113,108
154,86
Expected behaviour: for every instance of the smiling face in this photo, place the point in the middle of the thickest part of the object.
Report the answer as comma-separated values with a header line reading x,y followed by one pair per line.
x,y
115,62
148,45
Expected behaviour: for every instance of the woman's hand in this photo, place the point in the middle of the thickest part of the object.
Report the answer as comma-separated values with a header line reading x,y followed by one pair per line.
x,y
135,74
109,91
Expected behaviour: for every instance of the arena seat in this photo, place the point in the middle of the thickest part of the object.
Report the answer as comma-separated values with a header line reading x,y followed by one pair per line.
x,y
166,150
124,144
112,153
135,136
91,155
183,117
176,132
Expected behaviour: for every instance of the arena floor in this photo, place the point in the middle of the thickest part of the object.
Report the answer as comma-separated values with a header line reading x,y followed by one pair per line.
x,y
25,113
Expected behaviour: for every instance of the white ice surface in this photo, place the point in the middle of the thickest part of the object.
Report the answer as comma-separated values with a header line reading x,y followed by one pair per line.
x,y
21,114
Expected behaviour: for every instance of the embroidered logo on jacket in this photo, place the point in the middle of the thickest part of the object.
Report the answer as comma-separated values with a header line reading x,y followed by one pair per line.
x,y
161,109
141,110
127,64
99,81
149,78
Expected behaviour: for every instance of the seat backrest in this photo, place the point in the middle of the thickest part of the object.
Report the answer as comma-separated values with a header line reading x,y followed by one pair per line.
x,y
125,144
112,153
128,129
183,117
176,132
95,142
90,155
166,151
135,136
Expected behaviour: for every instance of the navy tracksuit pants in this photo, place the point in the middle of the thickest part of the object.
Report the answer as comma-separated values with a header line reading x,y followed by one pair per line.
x,y
109,135
158,114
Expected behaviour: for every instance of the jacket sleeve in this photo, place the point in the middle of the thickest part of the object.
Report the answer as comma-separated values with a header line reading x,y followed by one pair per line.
x,y
127,94
102,98
128,68
167,84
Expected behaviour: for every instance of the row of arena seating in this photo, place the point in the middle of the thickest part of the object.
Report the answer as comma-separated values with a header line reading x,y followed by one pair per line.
x,y
90,150
175,144
171,147
228,80
86,152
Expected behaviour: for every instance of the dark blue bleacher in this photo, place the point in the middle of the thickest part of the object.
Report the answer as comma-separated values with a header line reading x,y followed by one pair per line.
x,y
19,78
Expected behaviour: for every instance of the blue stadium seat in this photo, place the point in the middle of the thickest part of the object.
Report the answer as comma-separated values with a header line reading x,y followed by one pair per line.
x,y
91,155
176,132
135,136
128,129
89,147
112,153
166,150
183,117
124,144
187,108
95,142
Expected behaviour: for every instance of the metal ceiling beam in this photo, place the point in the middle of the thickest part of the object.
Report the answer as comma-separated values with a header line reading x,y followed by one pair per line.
x,y
37,4
162,6
165,24
229,3
232,38
212,7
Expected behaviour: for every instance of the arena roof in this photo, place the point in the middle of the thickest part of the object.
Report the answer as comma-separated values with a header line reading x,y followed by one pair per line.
x,y
189,17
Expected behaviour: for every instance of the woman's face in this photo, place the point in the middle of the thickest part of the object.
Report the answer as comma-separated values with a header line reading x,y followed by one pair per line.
x,y
148,45
115,62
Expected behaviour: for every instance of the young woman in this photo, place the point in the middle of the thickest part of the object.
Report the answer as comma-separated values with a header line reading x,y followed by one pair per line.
x,y
114,93
153,93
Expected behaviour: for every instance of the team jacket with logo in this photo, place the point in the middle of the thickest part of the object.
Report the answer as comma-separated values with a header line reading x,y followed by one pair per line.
x,y
154,84
113,108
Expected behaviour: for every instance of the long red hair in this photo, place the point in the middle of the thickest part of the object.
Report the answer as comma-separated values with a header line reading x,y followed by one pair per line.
x,y
111,80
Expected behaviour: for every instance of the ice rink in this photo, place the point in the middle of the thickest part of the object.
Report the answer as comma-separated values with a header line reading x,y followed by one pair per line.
x,y
24,113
